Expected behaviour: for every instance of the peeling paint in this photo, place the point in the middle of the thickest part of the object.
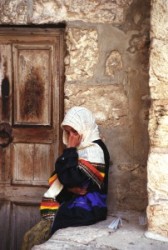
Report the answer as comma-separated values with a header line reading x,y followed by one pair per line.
x,y
32,96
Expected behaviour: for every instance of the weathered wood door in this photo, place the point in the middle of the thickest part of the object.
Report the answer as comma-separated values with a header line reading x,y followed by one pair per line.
x,y
31,71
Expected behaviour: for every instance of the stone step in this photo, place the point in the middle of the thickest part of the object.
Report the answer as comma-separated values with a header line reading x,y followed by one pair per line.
x,y
130,235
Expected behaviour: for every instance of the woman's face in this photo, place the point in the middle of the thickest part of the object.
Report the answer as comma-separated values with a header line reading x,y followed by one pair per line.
x,y
70,131
73,138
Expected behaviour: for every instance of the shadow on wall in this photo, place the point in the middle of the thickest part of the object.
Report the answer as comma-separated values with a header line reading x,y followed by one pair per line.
x,y
129,143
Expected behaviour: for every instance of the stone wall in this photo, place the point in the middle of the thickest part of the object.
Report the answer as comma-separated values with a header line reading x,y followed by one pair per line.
x,y
158,126
106,70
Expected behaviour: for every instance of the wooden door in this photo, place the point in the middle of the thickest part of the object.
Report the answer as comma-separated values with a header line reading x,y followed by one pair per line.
x,y
31,74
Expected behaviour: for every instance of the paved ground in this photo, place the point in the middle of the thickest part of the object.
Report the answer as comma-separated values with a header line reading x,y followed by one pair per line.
x,y
129,236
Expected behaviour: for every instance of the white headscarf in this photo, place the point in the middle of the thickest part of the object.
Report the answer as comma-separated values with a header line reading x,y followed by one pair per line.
x,y
83,121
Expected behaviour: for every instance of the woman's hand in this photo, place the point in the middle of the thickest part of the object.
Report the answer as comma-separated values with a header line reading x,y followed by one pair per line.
x,y
78,190
74,139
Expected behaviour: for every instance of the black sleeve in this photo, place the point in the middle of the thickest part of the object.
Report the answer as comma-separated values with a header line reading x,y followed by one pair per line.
x,y
68,172
107,162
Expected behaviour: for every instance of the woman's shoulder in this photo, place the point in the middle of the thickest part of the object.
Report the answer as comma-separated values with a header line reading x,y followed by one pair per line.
x,y
93,153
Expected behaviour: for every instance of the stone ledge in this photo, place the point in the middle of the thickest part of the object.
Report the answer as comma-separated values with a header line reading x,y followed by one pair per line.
x,y
155,236
130,236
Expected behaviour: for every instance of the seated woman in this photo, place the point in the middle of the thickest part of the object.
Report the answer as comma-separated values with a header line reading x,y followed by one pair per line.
x,y
78,186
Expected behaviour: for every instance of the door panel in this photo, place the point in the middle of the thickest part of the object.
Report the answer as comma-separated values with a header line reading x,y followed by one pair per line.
x,y
24,216
4,219
32,96
31,70
31,163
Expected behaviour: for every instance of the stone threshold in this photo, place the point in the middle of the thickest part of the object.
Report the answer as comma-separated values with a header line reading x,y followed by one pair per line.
x,y
130,235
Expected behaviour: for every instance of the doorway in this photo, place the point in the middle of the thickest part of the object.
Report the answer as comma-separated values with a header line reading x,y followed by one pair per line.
x,y
31,90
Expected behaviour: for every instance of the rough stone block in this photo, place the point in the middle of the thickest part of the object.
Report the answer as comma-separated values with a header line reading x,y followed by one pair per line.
x,y
109,103
158,89
159,60
13,12
82,47
113,63
158,218
159,20
158,123
158,177
48,11
104,11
